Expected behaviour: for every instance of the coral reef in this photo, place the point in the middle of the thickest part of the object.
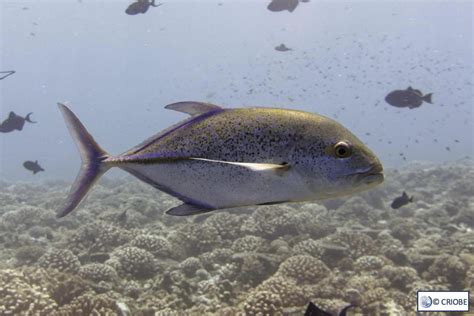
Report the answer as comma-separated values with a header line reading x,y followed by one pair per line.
x,y
61,260
263,303
119,255
134,261
304,269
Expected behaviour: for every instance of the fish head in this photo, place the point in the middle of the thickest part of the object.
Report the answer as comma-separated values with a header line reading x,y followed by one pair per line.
x,y
342,164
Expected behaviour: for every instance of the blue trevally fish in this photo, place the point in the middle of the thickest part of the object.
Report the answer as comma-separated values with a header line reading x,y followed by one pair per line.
x,y
222,158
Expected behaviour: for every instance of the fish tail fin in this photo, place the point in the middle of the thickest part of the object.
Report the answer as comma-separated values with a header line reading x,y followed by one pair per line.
x,y
28,118
427,98
93,165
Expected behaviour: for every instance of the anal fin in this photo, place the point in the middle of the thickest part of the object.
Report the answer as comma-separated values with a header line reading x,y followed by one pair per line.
x,y
188,209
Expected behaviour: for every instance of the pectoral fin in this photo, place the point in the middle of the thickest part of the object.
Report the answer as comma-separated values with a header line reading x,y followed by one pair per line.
x,y
278,169
187,209
193,108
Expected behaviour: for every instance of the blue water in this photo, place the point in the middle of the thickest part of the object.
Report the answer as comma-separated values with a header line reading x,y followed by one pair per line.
x,y
119,71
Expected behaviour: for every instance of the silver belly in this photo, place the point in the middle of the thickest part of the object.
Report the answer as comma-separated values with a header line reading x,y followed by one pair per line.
x,y
222,185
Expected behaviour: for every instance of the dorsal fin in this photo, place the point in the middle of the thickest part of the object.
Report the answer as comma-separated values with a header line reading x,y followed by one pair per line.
x,y
193,108
12,114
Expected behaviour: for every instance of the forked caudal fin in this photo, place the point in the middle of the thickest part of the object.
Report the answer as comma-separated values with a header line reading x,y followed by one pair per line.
x,y
428,98
92,156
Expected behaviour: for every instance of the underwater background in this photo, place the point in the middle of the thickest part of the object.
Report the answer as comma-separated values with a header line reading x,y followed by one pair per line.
x,y
119,254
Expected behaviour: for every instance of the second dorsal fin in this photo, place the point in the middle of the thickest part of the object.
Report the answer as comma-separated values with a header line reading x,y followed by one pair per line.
x,y
193,108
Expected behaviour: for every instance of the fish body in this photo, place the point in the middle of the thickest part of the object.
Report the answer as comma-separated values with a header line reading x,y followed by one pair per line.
x,y
14,122
33,166
401,201
282,48
282,5
222,158
141,6
410,98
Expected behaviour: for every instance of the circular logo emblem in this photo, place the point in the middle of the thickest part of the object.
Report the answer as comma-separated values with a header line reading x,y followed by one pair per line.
x,y
426,301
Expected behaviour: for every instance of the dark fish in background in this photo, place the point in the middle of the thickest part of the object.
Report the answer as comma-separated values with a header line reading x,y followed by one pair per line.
x,y
282,5
409,98
14,122
401,201
7,72
282,48
313,310
141,6
122,217
33,166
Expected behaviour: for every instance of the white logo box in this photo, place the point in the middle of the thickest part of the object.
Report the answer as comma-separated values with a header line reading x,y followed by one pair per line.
x,y
442,301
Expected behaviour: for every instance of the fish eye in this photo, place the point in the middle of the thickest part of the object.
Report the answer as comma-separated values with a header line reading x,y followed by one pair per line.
x,y
342,150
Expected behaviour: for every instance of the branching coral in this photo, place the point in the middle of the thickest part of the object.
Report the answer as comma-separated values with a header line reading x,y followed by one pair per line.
x,y
263,303
134,261
158,246
98,272
304,268
357,244
89,304
448,267
18,297
290,293
61,260
249,243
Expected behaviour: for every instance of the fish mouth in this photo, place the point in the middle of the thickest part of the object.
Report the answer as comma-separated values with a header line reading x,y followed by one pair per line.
x,y
373,176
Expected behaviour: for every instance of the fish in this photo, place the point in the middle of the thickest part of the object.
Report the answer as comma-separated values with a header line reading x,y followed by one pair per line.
x,y
140,6
282,48
410,98
33,166
282,5
401,201
122,217
223,158
14,122
7,73
313,310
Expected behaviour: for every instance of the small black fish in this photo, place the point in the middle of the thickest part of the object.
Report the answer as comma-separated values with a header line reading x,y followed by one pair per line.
x,y
140,6
282,5
122,217
7,72
14,122
410,98
33,166
282,48
401,201
313,310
